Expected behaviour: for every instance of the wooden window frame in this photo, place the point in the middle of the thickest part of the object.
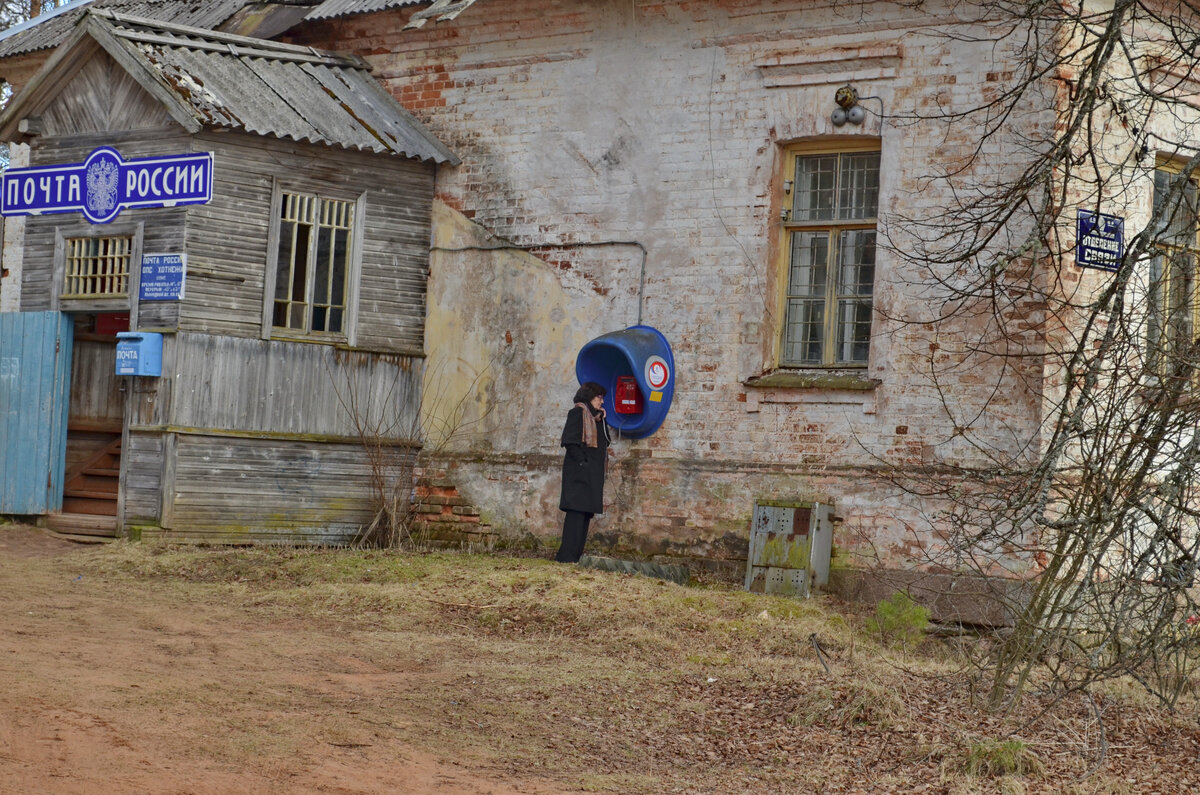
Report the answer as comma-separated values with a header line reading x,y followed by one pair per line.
x,y
833,228
353,274
1165,325
62,301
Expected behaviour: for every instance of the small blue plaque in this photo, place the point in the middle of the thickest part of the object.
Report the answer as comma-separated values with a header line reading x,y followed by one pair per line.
x,y
163,277
1099,240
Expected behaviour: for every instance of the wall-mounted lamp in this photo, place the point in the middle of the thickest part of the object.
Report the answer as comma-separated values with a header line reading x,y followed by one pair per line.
x,y
787,186
848,109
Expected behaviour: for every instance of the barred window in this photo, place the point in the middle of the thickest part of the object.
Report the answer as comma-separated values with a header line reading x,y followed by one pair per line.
x,y
97,267
829,233
313,261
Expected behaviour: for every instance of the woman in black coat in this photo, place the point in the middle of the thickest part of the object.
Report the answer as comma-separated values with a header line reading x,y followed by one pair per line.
x,y
585,436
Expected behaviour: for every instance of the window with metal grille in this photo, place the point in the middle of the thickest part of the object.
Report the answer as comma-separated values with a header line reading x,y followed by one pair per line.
x,y
97,267
1174,317
829,230
313,261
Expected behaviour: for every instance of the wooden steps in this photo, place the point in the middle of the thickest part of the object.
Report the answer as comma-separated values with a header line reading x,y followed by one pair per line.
x,y
92,527
90,494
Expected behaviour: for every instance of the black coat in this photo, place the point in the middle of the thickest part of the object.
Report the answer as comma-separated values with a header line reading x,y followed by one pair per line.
x,y
583,466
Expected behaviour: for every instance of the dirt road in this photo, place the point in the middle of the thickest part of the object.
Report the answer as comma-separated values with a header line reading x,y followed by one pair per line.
x,y
108,688
136,668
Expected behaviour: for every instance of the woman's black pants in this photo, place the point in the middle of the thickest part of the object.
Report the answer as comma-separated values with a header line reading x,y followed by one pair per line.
x,y
574,536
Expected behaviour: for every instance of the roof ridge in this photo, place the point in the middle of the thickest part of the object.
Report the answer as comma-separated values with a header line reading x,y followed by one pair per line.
x,y
301,52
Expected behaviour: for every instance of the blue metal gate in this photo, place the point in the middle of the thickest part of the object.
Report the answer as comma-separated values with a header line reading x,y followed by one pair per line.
x,y
35,388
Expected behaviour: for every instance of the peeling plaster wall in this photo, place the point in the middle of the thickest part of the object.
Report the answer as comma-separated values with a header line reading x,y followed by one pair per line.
x,y
587,127
12,232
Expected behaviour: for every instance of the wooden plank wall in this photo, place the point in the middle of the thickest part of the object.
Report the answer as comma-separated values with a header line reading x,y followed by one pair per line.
x,y
227,239
246,490
273,386
102,97
97,392
144,463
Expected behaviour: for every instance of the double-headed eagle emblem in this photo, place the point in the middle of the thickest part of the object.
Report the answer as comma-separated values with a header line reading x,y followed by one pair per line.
x,y
102,186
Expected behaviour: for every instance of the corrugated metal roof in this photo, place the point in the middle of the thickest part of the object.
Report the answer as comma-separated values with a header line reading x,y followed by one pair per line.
x,y
211,79
51,28
283,90
341,8
441,10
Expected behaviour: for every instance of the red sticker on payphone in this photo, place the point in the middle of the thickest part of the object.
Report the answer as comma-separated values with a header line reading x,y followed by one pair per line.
x,y
657,372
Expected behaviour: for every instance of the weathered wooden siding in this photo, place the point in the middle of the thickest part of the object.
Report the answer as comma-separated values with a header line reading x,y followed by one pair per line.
x,y
102,97
227,238
144,465
97,392
236,490
277,387
158,315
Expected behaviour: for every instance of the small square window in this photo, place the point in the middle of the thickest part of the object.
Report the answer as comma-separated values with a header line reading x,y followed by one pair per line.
x,y
97,267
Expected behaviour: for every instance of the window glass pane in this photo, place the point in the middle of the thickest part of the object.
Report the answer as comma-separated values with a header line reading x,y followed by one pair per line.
x,y
324,254
284,263
810,257
1182,297
814,188
1155,303
853,331
341,265
292,266
856,262
858,189
1180,223
804,331
299,264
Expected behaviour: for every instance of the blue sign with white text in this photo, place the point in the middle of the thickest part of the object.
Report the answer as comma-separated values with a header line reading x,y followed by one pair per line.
x,y
104,184
1099,240
162,277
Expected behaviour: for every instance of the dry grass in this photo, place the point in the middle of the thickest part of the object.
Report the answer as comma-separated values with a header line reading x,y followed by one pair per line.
x,y
606,682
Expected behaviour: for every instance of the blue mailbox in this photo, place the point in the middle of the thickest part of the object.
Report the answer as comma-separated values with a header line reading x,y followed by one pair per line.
x,y
139,353
636,367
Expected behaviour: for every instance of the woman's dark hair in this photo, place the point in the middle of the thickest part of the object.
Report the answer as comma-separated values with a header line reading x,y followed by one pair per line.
x,y
589,391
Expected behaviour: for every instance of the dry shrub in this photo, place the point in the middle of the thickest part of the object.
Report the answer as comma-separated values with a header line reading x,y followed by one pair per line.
x,y
867,703
989,758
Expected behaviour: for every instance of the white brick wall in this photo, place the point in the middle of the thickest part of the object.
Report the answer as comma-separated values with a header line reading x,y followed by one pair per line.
x,y
653,122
